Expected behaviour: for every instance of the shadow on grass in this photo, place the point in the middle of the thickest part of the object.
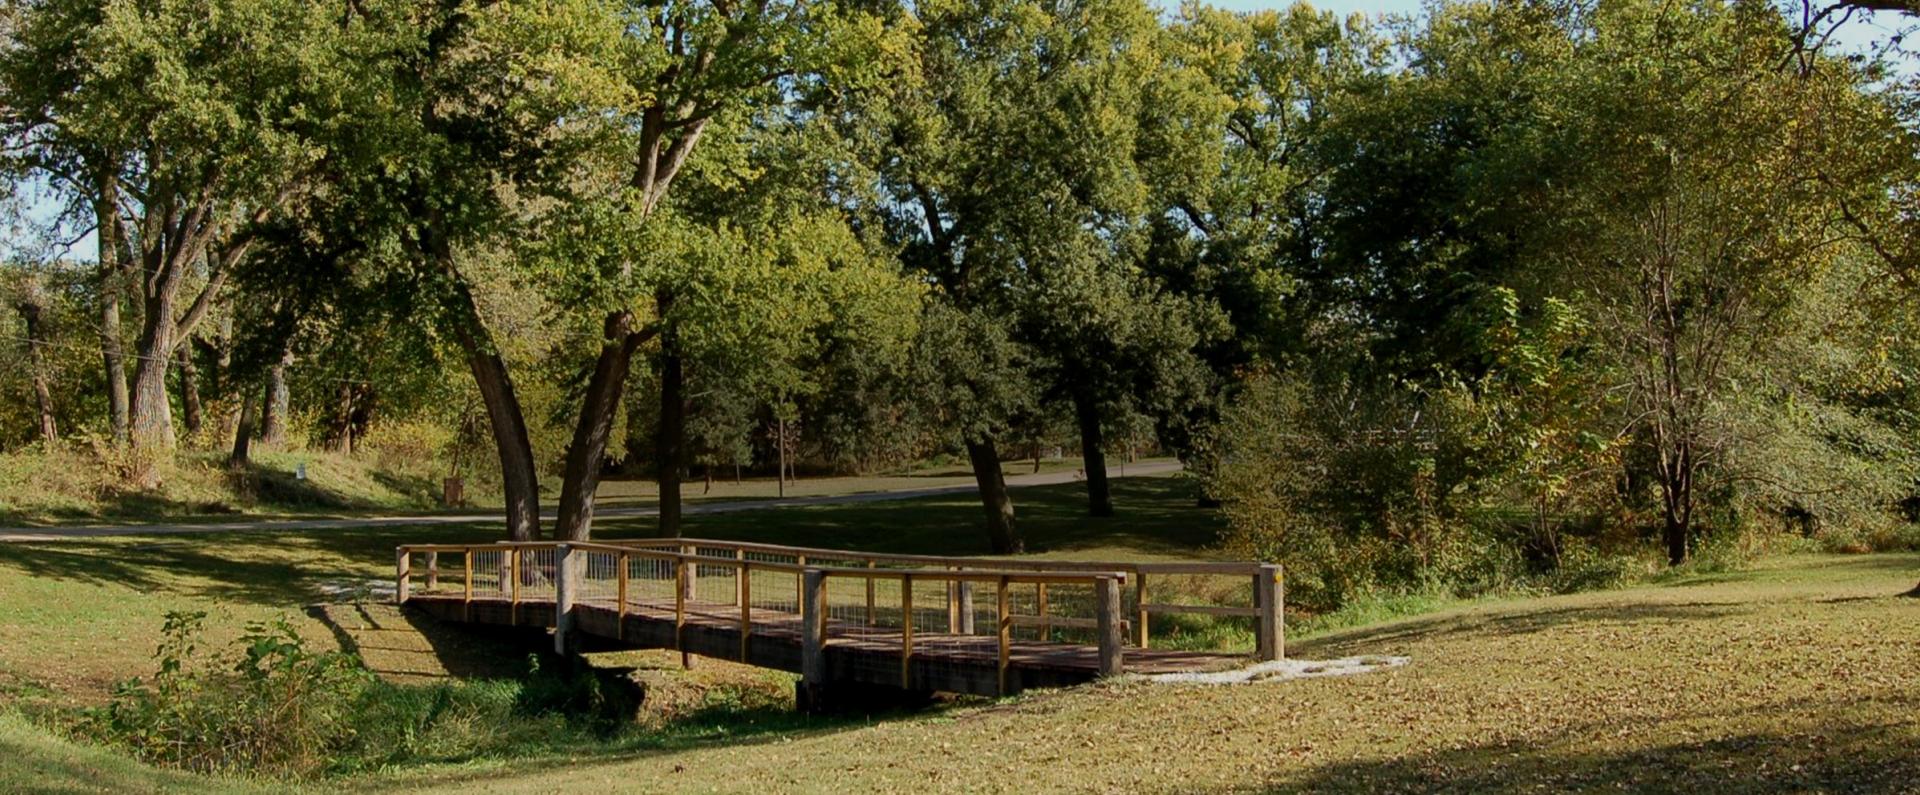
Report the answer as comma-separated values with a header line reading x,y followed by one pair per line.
x,y
1526,622
1828,757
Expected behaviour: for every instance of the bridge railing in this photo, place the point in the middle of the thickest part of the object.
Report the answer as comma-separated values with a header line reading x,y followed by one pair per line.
x,y
1153,588
966,607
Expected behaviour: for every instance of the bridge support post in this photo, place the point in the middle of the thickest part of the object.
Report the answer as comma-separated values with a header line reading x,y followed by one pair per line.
x,y
965,590
813,642
1106,611
565,577
1269,596
403,575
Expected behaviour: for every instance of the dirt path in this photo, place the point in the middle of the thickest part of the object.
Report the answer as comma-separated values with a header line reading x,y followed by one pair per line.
x,y
16,534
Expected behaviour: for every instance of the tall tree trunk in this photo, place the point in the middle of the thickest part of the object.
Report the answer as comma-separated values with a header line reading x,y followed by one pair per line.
x,y
1099,493
152,412
243,432
994,497
112,285
278,402
519,478
671,443
225,389
32,308
589,448
190,408
341,435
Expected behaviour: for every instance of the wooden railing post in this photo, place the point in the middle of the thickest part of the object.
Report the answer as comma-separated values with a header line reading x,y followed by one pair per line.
x,y
564,566
813,647
1140,602
433,569
1005,634
906,631
1106,598
740,579
1269,595
690,584
1040,600
965,587
746,607
466,596
621,561
680,587
513,568
870,616
402,575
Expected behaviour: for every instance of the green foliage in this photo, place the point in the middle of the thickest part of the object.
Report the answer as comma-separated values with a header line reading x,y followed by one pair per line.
x,y
277,707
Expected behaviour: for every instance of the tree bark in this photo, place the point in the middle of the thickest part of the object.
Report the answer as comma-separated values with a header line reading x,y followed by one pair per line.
x,y
32,308
994,499
190,408
274,424
341,436
589,448
1092,454
671,442
519,477
243,433
112,287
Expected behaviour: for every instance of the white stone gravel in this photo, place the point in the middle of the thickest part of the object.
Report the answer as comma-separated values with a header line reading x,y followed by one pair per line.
x,y
1284,670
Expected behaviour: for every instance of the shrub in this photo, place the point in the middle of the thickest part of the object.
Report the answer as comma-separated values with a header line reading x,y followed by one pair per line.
x,y
276,707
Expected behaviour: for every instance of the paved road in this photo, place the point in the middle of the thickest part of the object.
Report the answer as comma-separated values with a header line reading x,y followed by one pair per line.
x,y
15,534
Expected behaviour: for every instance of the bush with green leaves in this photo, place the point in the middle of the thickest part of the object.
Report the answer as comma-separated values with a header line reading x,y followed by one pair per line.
x,y
277,706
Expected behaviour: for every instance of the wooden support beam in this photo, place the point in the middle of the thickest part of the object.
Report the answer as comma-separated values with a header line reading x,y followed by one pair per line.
x,y
870,616
746,607
466,599
966,606
1005,634
565,562
740,580
1140,599
402,575
621,561
1040,599
813,622
513,570
906,631
1269,597
1106,608
680,608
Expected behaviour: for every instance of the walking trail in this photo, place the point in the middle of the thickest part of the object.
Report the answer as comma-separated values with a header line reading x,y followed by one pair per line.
x,y
19,534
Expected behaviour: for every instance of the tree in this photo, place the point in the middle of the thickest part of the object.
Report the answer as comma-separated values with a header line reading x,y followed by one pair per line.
x,y
179,126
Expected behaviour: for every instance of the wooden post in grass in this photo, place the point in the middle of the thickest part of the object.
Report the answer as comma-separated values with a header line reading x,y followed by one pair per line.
x,y
565,564
1106,611
1269,596
813,647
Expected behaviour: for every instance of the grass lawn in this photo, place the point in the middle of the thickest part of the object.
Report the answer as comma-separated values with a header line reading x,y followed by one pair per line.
x,y
1797,675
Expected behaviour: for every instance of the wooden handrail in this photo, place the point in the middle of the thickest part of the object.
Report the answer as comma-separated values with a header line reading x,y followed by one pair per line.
x,y
1223,568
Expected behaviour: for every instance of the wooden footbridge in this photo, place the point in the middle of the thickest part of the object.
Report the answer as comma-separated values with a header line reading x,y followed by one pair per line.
x,y
985,626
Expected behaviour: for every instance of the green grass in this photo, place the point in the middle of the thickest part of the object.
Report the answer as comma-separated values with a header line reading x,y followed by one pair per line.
x,y
1795,676
1719,681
